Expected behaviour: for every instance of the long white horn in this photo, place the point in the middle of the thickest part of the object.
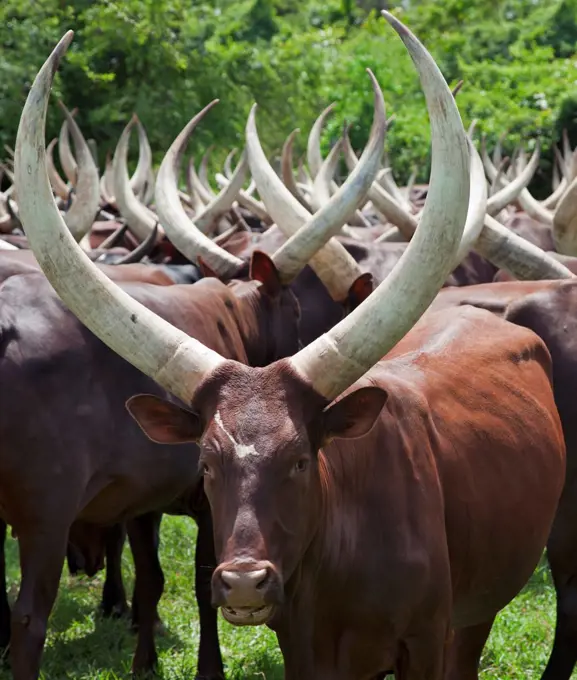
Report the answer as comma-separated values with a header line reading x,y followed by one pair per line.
x,y
383,201
228,162
322,183
477,205
314,156
509,193
179,228
565,222
287,170
529,204
80,216
257,208
144,164
169,356
511,252
140,219
301,247
58,184
338,358
332,264
67,160
224,200
203,173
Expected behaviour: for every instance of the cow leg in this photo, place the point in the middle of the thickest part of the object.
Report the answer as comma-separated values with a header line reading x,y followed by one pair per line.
x,y
465,652
562,556
42,551
113,603
423,656
209,658
148,587
564,654
4,606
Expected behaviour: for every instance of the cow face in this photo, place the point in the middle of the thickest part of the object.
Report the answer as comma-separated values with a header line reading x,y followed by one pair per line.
x,y
260,431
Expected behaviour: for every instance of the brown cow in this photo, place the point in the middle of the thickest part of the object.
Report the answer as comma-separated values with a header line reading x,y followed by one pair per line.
x,y
549,309
367,555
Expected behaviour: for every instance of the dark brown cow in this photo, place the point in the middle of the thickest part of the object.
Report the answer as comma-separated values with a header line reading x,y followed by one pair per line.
x,y
548,308
367,554
111,470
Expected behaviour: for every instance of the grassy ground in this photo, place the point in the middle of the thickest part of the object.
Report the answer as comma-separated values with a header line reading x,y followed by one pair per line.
x,y
83,647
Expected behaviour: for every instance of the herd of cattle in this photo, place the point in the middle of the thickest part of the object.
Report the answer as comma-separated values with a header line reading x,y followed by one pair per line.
x,y
220,356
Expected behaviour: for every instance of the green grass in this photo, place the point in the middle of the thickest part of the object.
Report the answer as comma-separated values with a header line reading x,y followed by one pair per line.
x,y
81,646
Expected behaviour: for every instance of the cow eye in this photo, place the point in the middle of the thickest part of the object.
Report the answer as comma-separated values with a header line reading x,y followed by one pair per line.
x,y
205,469
301,464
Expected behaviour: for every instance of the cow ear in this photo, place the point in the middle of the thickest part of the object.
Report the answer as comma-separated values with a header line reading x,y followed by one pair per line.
x,y
263,269
354,415
206,270
360,290
164,422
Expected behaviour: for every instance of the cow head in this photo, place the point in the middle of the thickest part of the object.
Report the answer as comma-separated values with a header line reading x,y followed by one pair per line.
x,y
261,474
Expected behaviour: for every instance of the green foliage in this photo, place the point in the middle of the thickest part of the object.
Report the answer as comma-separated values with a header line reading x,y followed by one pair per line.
x,y
166,59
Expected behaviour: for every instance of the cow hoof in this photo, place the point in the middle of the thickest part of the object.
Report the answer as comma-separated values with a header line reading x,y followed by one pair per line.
x,y
144,667
119,610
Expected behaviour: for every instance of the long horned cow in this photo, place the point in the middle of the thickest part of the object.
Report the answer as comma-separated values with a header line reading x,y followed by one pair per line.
x,y
363,530
256,322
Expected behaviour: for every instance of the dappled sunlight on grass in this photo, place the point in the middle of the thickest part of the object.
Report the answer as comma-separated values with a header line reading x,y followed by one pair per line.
x,y
82,646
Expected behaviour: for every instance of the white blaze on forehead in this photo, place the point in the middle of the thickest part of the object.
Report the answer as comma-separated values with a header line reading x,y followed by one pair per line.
x,y
240,450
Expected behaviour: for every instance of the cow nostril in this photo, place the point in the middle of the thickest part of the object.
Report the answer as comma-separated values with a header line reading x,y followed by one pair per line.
x,y
261,582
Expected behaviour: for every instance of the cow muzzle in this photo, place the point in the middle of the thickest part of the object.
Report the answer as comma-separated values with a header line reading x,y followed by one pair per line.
x,y
246,592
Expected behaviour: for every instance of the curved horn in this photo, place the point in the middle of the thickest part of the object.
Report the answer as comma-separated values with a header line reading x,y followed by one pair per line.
x,y
142,249
314,155
169,356
247,201
565,222
509,192
511,252
552,201
321,192
382,200
67,160
58,184
180,230
107,182
203,173
195,186
114,238
332,264
228,163
300,248
477,206
529,204
80,217
224,200
341,356
141,220
287,170
144,164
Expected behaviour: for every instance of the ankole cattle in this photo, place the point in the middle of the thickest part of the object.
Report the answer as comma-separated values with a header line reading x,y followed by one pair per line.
x,y
549,309
100,464
376,513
